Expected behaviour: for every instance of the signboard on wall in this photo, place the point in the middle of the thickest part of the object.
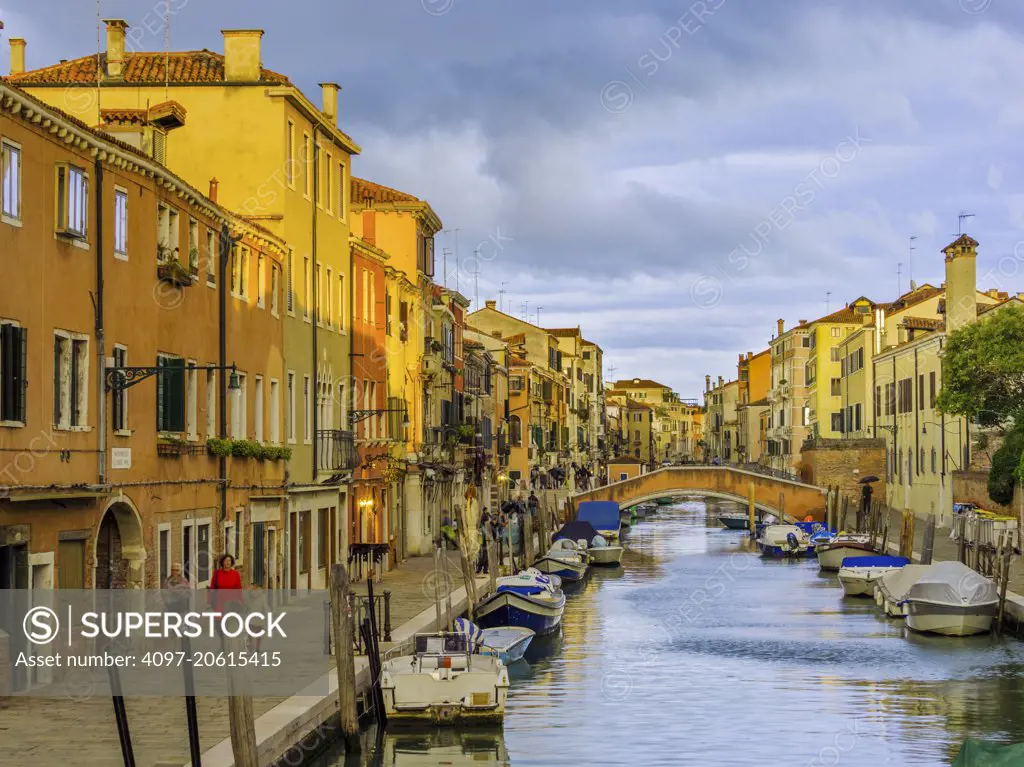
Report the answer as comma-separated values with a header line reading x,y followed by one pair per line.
x,y
120,458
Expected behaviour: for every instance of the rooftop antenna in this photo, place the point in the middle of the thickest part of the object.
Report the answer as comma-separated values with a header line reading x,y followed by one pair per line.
x,y
538,315
476,280
899,280
501,296
444,265
458,264
828,294
964,215
611,372
910,266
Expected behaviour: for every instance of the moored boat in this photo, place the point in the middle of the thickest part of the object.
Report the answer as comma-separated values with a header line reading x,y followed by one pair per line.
x,y
951,599
599,550
833,550
530,599
784,541
891,589
639,511
567,559
858,574
667,501
439,680
506,642
735,522
603,515
625,517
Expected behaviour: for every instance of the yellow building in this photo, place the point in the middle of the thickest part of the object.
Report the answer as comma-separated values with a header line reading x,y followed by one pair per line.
x,y
593,379
787,423
273,156
722,431
753,372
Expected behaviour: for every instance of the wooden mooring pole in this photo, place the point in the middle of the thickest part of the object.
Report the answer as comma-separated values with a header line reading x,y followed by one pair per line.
x,y
344,638
751,509
468,575
241,718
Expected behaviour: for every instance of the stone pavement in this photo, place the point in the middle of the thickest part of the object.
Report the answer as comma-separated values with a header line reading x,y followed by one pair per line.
x,y
45,732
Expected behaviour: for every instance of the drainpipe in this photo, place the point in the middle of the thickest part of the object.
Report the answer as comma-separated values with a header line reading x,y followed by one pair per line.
x,y
919,396
226,242
315,307
101,364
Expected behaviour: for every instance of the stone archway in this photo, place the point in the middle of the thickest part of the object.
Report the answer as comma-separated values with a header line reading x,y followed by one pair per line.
x,y
120,550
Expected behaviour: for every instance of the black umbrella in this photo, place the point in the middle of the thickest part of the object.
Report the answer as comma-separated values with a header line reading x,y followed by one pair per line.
x,y
868,480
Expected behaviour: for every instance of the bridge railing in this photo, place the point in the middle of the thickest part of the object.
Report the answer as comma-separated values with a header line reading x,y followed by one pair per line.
x,y
768,471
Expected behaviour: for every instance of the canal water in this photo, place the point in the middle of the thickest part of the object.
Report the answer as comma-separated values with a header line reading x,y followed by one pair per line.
x,y
699,652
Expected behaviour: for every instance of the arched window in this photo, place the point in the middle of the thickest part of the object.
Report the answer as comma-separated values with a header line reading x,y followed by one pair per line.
x,y
515,428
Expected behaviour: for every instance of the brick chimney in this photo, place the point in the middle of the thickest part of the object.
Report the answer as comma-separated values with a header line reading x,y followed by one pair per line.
x,y
370,226
330,99
214,184
115,47
707,383
242,62
17,55
781,326
491,304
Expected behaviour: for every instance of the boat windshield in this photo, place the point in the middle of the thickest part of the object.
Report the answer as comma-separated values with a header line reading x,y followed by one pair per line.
x,y
441,644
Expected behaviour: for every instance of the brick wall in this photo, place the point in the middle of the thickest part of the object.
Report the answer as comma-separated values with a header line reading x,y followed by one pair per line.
x,y
842,462
972,487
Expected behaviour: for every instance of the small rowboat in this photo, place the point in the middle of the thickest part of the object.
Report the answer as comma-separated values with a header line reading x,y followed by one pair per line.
x,y
858,574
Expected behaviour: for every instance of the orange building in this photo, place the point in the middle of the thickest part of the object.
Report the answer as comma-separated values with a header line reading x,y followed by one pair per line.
x,y
124,450
369,515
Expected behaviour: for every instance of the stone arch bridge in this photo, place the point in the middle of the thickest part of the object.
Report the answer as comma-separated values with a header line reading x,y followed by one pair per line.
x,y
785,498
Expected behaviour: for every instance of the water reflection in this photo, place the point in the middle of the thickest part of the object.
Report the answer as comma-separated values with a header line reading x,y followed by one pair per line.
x,y
696,651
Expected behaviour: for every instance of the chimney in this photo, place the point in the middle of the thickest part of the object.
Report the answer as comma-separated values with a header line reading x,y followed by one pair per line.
x,y
370,226
17,55
741,358
707,383
242,63
781,326
214,183
330,97
491,304
750,355
720,381
115,47
961,282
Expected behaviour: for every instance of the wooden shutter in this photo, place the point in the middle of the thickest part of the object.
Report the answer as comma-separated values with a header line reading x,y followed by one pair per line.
x,y
56,380
71,565
175,402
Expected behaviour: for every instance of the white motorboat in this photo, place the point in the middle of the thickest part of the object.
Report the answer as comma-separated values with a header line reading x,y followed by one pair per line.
x,y
951,599
567,559
442,682
858,574
784,541
891,589
832,553
603,553
506,642
599,550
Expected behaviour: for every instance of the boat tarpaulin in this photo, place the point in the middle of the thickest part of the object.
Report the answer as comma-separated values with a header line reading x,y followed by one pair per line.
x,y
979,753
575,531
953,583
603,515
876,561
469,630
898,582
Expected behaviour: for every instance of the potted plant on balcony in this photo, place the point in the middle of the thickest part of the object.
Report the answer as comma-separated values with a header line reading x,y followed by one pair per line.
x,y
193,262
466,433
169,269
170,446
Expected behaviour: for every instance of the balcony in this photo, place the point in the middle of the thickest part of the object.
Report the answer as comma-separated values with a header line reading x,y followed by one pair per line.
x,y
336,450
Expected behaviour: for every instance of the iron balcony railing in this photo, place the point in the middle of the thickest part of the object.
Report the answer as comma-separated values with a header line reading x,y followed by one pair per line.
x,y
336,450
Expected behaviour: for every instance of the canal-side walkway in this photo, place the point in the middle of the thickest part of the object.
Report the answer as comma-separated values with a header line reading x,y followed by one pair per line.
x,y
46,731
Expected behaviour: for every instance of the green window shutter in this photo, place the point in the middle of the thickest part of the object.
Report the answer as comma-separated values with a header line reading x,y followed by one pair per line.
x,y
175,404
161,396
21,373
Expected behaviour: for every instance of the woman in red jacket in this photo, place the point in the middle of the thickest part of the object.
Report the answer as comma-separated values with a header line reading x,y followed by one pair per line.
x,y
226,584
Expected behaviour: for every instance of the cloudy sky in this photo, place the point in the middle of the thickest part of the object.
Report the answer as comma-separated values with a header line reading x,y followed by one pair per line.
x,y
672,177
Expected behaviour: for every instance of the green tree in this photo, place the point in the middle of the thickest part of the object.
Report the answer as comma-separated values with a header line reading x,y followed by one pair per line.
x,y
1006,462
983,370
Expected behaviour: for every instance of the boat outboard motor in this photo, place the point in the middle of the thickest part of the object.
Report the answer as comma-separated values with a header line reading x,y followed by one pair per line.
x,y
791,539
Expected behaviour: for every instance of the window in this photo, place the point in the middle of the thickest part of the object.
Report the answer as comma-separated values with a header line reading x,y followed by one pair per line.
x,y
307,411
290,407
72,201
120,223
70,380
837,422
244,282
342,191
236,274
330,183
193,247
13,369
275,278
836,387
387,313
318,287
307,166
290,284
341,302
258,425
211,403
318,170
119,398
920,392
10,191
934,456
289,166
192,401
836,332
905,396
329,296
203,553
164,548
275,412
239,400
212,257
261,280
166,233
304,542
931,390
306,287
170,393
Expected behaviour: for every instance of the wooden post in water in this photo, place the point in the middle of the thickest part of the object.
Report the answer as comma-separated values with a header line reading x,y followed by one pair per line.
x,y
240,714
492,562
1003,585
842,515
344,662
907,534
928,547
961,550
751,509
527,535
468,575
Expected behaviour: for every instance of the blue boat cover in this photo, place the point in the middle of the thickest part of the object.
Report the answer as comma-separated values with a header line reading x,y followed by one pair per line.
x,y
468,629
875,561
575,531
602,515
527,589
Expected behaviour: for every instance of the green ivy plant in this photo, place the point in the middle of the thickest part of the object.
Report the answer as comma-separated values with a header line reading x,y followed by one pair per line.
x,y
246,448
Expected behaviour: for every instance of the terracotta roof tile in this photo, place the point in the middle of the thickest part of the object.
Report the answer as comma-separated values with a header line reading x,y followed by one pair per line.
x,y
563,332
638,383
142,67
922,323
363,190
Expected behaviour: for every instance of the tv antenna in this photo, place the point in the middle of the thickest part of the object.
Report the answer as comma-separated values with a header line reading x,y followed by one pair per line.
x,y
963,216
501,296
538,315
444,266
828,294
910,266
899,279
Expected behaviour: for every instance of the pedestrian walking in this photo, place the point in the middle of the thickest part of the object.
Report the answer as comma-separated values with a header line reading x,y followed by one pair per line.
x,y
485,536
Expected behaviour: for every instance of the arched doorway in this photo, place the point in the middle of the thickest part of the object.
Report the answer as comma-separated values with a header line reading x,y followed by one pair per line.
x,y
120,553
